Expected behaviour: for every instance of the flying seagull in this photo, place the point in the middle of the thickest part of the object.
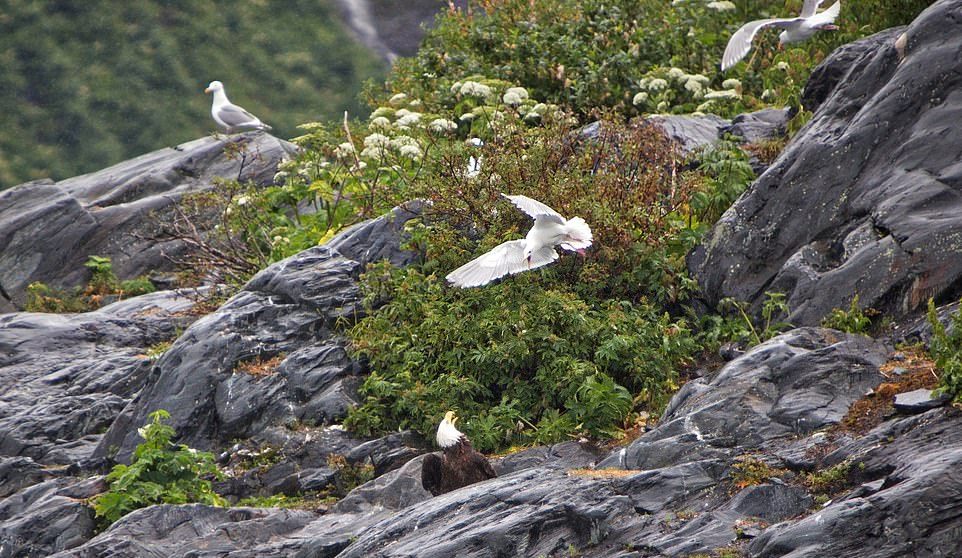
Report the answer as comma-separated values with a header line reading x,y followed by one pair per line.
x,y
535,250
459,464
229,116
793,30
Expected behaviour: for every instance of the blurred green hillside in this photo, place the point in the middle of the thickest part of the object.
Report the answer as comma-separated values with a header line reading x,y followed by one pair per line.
x,y
87,84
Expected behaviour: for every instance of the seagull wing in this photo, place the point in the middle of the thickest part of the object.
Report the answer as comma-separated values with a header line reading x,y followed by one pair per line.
x,y
236,117
826,17
741,41
535,209
809,7
506,258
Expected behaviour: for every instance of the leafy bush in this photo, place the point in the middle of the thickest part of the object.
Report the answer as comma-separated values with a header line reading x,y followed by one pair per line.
x,y
103,287
599,53
853,320
513,358
160,472
945,348
768,326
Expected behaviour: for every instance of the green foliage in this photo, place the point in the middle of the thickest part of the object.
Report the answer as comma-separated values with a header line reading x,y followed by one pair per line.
x,y
830,480
945,348
764,329
160,472
726,172
751,471
87,84
103,287
853,320
512,358
349,475
587,54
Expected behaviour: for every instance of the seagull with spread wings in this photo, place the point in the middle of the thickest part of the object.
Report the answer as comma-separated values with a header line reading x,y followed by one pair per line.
x,y
535,250
229,116
794,30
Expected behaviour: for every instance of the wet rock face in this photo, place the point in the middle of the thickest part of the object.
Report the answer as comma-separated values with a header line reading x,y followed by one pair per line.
x,y
47,230
64,378
791,385
864,200
214,381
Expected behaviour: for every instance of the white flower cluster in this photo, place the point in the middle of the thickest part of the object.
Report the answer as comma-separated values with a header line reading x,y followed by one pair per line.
x,y
640,98
731,83
442,126
514,96
726,94
379,123
721,6
475,89
344,150
398,99
376,146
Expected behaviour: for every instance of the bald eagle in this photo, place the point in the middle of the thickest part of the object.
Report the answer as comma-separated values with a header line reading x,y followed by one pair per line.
x,y
459,464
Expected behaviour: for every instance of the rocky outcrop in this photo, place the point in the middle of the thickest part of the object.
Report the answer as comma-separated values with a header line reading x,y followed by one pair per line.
x,y
864,199
48,230
64,378
270,360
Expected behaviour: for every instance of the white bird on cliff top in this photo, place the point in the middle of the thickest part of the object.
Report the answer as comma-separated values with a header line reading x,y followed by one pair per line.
x,y
535,250
229,116
794,30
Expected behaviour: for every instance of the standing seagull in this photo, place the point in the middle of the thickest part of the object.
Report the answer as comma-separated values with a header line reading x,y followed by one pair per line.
x,y
229,116
793,30
535,250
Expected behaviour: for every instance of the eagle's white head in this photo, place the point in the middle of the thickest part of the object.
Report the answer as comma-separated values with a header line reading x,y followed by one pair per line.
x,y
448,434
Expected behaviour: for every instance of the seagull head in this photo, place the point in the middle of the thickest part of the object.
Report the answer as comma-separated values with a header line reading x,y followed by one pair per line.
x,y
214,86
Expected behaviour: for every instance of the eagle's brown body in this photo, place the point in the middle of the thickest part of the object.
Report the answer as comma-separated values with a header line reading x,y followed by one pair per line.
x,y
458,465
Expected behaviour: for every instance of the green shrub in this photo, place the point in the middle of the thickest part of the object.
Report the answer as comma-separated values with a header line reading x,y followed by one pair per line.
x,y
511,358
945,348
587,54
768,326
102,287
853,320
160,472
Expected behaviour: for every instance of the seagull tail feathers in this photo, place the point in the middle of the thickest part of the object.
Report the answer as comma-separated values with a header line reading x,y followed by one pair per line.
x,y
578,234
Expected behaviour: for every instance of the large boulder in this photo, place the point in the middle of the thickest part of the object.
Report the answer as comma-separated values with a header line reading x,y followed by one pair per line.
x,y
48,230
792,385
64,378
865,198
913,508
270,358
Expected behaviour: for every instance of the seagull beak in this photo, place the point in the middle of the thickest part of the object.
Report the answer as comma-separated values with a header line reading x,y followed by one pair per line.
x,y
830,27
208,90
581,252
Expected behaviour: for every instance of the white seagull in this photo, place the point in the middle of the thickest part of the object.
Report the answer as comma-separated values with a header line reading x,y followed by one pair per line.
x,y
535,250
229,116
794,30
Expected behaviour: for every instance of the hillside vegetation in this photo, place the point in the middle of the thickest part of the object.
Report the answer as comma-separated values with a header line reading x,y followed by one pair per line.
x,y
586,346
87,84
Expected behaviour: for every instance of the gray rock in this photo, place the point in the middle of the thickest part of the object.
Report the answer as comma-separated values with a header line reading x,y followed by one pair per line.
x,y
761,125
48,230
64,378
915,511
791,385
920,400
528,513
691,132
288,310
863,199
47,517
